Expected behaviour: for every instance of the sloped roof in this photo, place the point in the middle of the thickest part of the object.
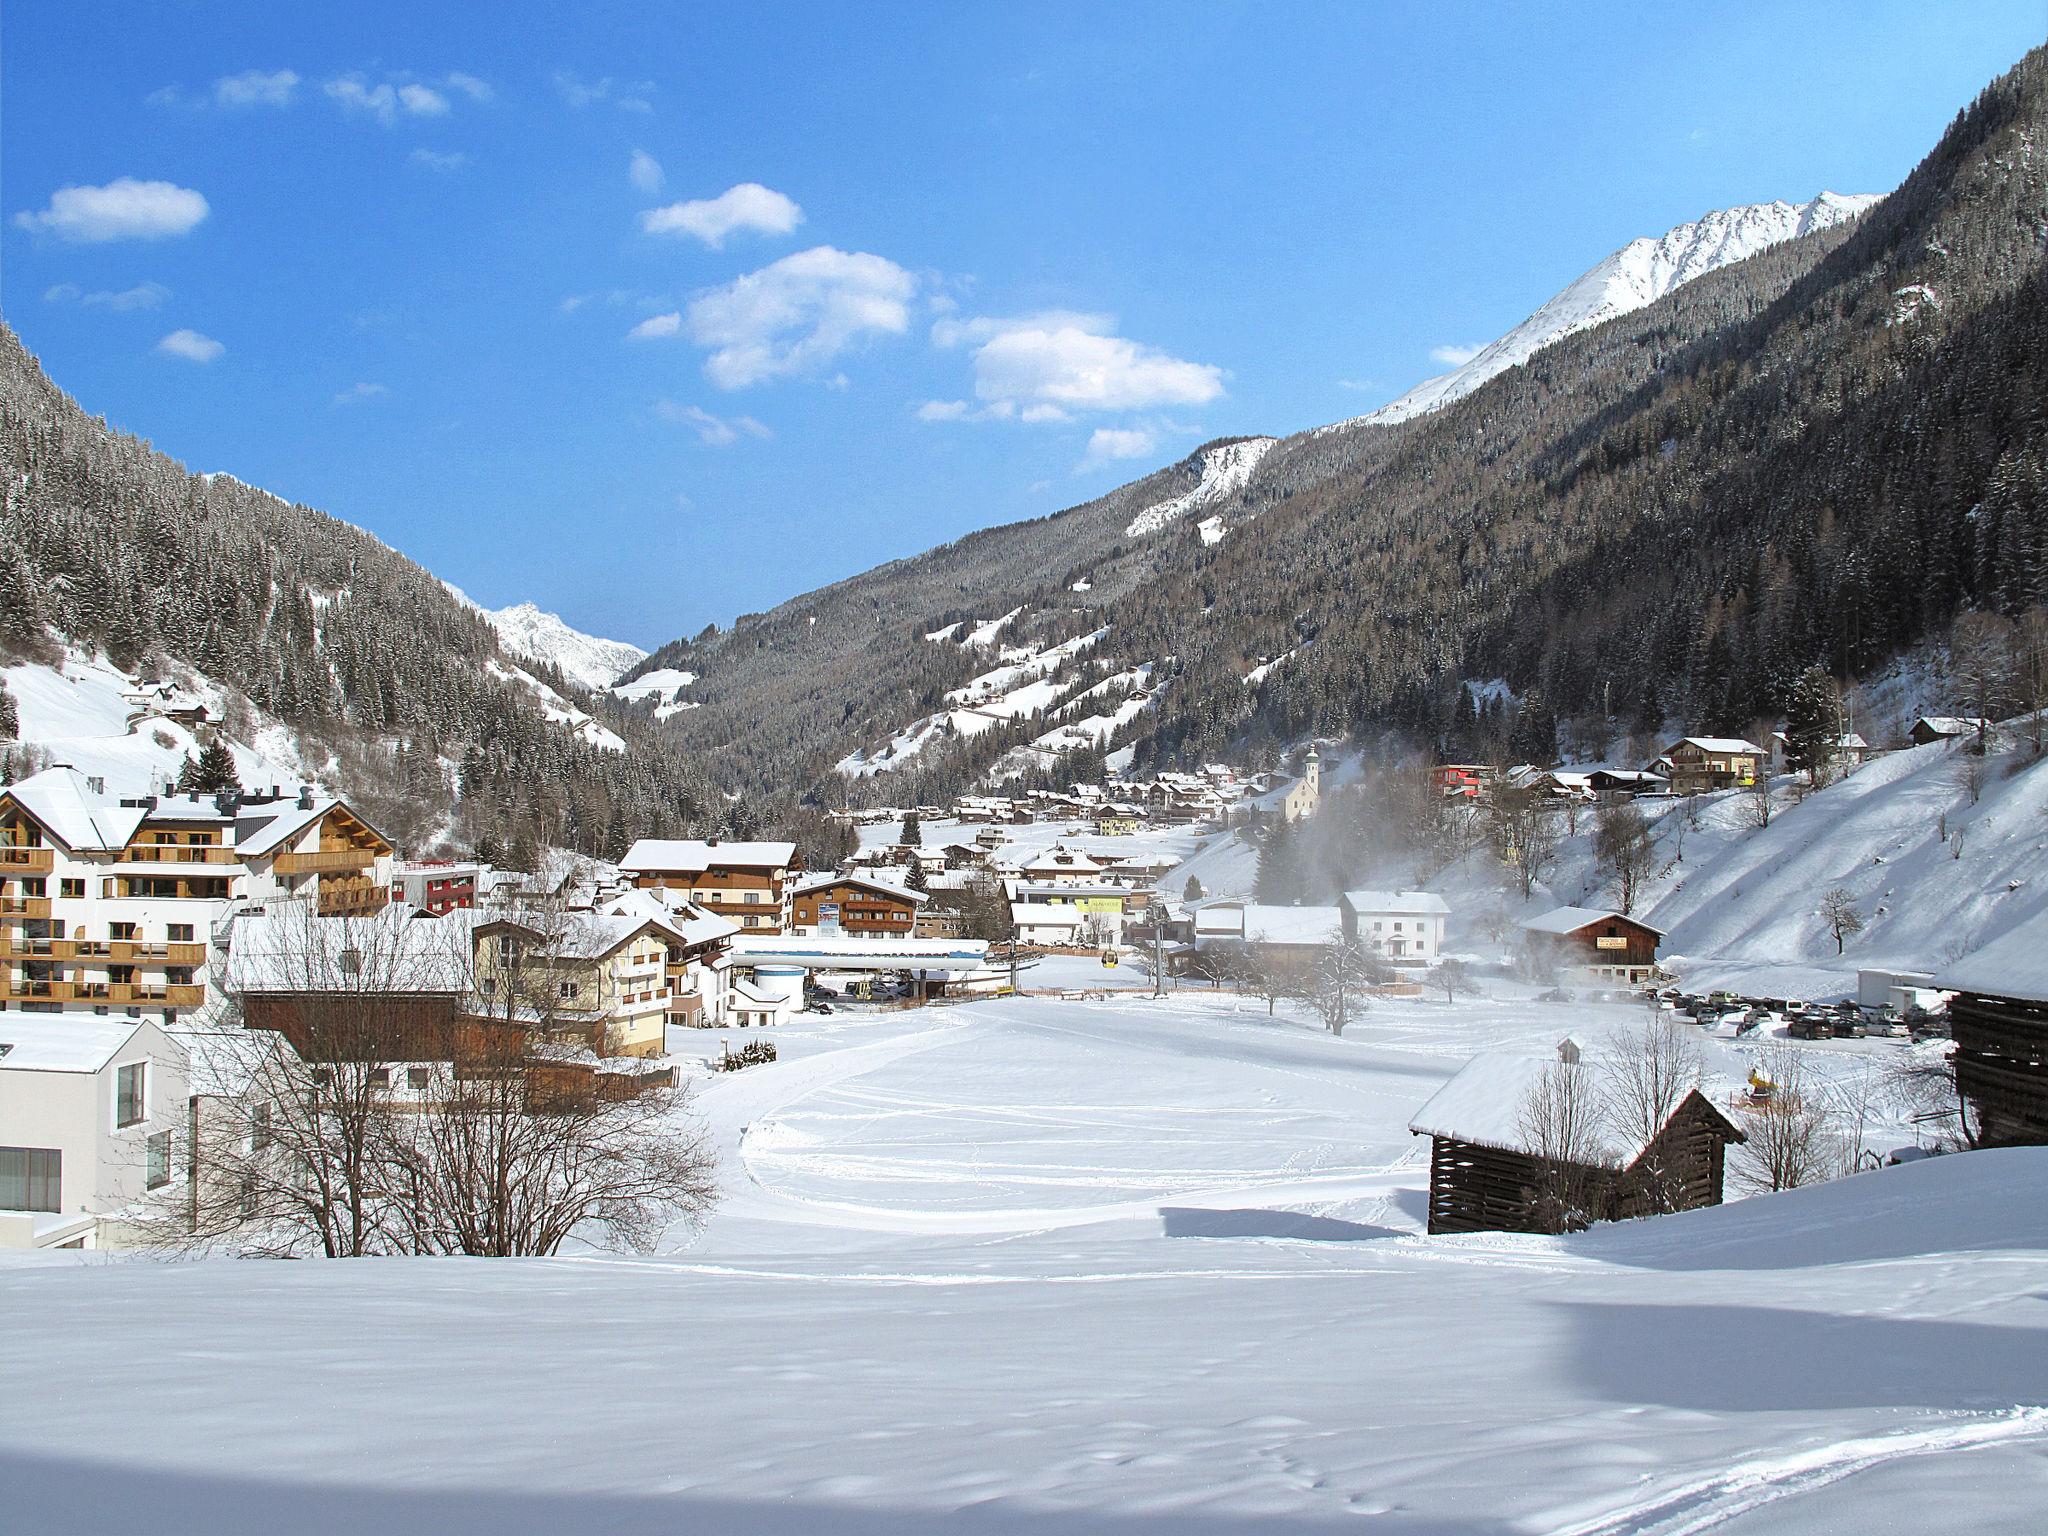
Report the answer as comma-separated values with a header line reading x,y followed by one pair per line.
x,y
67,1043
2014,965
1562,920
662,855
887,888
65,806
287,948
1484,1104
1722,744
1419,903
687,922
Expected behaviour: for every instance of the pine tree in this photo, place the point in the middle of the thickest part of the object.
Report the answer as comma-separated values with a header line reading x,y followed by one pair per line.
x,y
912,835
1813,725
215,770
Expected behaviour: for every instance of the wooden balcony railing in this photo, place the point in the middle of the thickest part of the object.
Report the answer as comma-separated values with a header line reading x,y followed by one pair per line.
x,y
327,861
177,853
26,861
113,993
115,951
24,906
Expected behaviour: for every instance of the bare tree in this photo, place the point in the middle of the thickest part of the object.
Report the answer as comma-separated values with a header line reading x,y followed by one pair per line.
x,y
1839,911
1981,672
1926,1087
1760,807
1625,850
1562,1128
1526,834
1647,1077
1453,976
1790,1140
2030,674
1337,986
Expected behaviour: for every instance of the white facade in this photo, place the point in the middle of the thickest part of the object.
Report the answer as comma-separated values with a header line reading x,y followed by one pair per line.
x,y
1402,925
90,1115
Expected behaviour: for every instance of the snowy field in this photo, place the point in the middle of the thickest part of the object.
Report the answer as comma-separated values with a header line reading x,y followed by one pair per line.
x,y
1131,1267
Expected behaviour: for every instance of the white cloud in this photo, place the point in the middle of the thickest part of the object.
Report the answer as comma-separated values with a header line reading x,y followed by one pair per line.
x,y
388,102
1107,444
141,296
1044,367
644,171
124,209
655,326
748,206
191,346
943,410
256,88
470,86
355,394
1365,386
712,431
796,315
440,159
1456,357
626,95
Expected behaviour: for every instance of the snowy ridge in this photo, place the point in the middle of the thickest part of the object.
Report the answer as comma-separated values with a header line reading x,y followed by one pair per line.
x,y
1225,471
528,631
1638,274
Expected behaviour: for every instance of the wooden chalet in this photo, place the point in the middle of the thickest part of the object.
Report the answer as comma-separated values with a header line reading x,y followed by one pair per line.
x,y
1999,1018
1597,945
1484,1175
855,904
1702,764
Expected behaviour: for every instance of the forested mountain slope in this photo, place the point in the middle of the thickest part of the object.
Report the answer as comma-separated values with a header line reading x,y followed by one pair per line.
x,y
109,545
1821,453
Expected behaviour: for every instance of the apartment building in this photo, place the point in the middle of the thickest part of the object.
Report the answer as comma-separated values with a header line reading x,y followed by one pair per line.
x,y
107,903
596,978
748,883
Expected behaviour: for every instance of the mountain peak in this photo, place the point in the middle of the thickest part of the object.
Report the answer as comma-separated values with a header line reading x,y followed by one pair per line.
x,y
1640,273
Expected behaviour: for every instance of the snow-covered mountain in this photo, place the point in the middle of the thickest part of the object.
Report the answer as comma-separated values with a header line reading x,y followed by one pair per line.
x,y
1640,273
527,630
1225,469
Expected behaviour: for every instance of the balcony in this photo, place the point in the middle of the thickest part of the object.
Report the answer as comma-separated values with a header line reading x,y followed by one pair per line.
x,y
352,897
26,861
115,951
326,862
177,853
24,906
108,993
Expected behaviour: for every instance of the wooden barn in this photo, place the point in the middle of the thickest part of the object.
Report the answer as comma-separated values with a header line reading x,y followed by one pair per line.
x,y
1999,1019
1593,945
1486,1176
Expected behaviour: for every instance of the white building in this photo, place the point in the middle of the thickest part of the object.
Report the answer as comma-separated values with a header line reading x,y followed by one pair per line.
x,y
89,1109
1306,794
107,904
1405,926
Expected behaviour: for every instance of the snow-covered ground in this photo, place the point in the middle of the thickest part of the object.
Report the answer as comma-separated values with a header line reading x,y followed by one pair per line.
x,y
525,629
1225,472
1040,1266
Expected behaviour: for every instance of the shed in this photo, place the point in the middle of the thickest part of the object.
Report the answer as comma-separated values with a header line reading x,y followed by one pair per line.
x,y
1485,1174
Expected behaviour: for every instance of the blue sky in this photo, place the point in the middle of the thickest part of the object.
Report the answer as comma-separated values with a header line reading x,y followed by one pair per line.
x,y
656,315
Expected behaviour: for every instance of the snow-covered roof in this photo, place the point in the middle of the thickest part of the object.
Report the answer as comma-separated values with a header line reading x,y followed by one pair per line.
x,y
1066,859
583,935
1485,1105
1417,903
1045,914
662,856
287,948
1257,923
1563,920
65,805
1723,744
262,829
1949,725
2014,965
889,888
37,1043
684,920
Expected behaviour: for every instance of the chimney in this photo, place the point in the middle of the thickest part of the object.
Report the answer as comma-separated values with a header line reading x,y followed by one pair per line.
x,y
96,784
305,797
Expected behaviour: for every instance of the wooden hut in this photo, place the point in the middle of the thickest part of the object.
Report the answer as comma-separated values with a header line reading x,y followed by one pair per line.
x,y
1487,1174
1999,1019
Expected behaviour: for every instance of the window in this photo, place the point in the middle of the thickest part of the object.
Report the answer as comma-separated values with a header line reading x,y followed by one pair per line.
x,y
380,1077
181,933
259,1128
508,949
416,1078
30,1178
490,986
35,887
74,889
131,1085
157,1161
570,989
125,932
752,898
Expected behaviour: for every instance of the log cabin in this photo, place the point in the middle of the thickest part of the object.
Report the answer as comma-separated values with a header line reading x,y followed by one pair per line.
x,y
1592,945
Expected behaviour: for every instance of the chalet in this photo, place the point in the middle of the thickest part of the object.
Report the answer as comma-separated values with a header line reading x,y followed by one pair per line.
x,y
89,1109
854,904
1851,751
1932,728
1405,926
596,978
1999,1019
1060,864
1487,1174
747,882
1098,908
1289,938
1625,783
698,973
1593,945
1702,764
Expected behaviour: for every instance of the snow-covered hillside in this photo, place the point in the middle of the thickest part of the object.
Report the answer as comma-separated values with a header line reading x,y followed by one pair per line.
x,y
1640,273
1058,1267
526,630
1225,471
80,712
